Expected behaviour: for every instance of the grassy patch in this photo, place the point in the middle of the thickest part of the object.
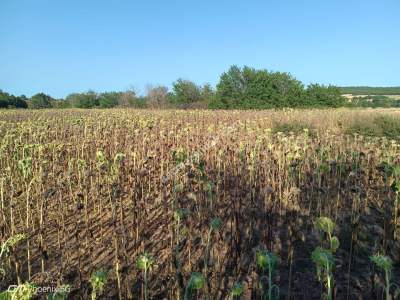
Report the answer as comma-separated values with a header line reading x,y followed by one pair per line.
x,y
381,126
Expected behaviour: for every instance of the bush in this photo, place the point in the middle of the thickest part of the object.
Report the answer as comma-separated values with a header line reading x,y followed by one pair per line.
x,y
41,100
83,100
62,104
389,125
139,102
3,103
104,100
184,92
324,96
18,102
374,102
108,100
363,127
207,94
11,101
248,88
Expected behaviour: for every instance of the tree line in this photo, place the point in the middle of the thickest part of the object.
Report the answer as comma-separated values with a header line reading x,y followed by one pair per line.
x,y
375,101
369,90
7,100
238,88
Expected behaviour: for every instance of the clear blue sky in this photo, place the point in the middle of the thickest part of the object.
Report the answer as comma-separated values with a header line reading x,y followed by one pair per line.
x,y
67,46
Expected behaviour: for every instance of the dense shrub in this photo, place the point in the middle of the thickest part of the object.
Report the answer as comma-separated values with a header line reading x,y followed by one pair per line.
x,y
83,100
363,127
207,93
139,102
11,101
381,126
324,96
184,92
389,125
3,103
61,103
104,100
18,102
373,101
41,100
108,100
248,88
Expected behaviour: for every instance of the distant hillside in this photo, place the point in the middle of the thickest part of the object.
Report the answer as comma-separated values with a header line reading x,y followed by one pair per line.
x,y
369,90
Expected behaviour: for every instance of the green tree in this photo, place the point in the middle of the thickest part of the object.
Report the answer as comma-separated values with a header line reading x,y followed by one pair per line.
x,y
109,99
324,96
10,101
207,93
250,88
41,100
230,89
83,100
62,103
4,99
185,92
287,91
139,102
18,102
